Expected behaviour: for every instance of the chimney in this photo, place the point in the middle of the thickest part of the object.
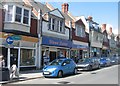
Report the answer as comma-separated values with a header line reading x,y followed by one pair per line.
x,y
103,27
65,7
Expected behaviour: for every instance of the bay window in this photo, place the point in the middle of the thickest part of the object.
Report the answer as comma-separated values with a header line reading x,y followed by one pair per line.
x,y
18,14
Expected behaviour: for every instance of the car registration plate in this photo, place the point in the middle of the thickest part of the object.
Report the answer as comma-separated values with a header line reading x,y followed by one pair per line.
x,y
46,72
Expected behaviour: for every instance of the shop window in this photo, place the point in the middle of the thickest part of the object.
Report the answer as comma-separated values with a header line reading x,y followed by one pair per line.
x,y
27,57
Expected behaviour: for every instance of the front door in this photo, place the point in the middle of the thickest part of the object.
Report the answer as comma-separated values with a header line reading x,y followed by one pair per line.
x,y
52,55
13,56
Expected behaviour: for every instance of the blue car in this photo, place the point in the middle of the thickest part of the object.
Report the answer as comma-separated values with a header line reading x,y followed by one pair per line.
x,y
60,67
104,61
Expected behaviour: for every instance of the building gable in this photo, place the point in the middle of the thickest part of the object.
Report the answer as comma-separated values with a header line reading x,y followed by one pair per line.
x,y
56,12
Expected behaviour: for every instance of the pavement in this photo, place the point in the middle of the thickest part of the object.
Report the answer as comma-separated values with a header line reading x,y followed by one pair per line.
x,y
25,75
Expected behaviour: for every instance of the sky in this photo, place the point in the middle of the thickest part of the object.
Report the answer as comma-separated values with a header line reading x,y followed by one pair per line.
x,y
102,12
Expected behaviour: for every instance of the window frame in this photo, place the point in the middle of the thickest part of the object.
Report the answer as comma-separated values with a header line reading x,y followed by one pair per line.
x,y
14,14
17,14
8,13
56,24
80,29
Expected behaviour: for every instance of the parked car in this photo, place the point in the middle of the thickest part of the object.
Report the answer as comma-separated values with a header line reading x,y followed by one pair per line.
x,y
60,67
114,60
118,58
88,64
105,61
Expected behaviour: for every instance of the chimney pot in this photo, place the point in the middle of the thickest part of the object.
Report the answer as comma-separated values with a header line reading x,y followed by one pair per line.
x,y
65,7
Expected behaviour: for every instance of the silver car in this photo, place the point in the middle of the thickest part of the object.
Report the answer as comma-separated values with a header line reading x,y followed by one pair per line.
x,y
88,64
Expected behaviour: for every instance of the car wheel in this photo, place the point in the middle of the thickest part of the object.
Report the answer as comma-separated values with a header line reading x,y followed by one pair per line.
x,y
90,68
75,71
106,65
99,66
60,74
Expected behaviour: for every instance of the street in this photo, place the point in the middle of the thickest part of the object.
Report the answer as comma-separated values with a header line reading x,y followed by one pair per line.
x,y
107,75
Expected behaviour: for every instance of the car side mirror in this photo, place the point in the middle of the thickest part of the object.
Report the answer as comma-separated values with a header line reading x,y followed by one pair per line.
x,y
64,64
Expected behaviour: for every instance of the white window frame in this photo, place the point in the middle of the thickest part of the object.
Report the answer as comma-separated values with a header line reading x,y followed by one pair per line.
x,y
53,24
6,13
14,14
80,31
19,14
26,16
56,25
61,26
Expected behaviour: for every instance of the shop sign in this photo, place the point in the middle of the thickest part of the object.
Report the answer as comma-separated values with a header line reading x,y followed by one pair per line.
x,y
55,42
79,46
16,37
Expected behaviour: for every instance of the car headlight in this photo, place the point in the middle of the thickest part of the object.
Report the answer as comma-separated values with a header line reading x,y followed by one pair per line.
x,y
52,69
86,64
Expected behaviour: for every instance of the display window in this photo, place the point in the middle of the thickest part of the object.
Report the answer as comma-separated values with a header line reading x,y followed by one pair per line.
x,y
27,57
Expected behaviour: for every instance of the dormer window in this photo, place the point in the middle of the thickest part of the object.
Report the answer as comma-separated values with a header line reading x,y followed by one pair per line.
x,y
56,25
53,24
80,31
61,26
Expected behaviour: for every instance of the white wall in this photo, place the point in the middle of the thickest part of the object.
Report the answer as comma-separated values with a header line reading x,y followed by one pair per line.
x,y
96,39
18,27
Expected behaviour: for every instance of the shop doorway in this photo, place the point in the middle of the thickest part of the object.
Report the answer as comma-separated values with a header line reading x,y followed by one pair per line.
x,y
13,56
52,55
4,52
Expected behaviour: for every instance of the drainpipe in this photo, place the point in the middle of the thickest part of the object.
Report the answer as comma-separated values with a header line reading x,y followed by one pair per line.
x,y
39,28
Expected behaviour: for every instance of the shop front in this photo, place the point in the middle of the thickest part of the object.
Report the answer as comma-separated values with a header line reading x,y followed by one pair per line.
x,y
54,48
79,52
95,52
21,52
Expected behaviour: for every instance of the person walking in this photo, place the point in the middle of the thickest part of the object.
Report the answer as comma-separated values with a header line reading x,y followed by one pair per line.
x,y
14,71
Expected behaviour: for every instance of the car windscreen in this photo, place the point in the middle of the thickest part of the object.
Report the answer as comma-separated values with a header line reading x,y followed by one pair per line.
x,y
86,60
56,62
101,59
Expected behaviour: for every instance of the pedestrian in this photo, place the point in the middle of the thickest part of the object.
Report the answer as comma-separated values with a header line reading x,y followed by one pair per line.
x,y
14,71
2,61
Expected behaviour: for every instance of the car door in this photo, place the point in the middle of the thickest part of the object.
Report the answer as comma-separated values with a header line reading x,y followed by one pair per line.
x,y
72,66
93,63
66,66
